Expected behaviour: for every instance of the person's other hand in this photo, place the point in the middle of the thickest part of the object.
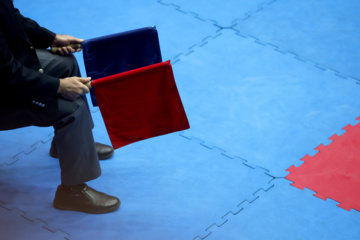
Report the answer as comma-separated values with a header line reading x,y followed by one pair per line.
x,y
72,87
63,42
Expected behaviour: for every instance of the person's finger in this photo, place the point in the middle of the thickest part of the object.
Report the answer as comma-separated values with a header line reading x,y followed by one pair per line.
x,y
86,89
70,49
77,40
66,50
60,50
84,79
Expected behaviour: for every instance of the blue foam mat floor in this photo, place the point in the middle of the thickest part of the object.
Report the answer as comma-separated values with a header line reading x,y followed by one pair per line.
x,y
263,83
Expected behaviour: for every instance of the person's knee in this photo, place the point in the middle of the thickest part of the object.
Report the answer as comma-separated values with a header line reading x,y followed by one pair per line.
x,y
69,65
57,65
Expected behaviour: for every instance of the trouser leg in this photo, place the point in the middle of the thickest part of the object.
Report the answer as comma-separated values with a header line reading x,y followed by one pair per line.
x,y
73,133
78,158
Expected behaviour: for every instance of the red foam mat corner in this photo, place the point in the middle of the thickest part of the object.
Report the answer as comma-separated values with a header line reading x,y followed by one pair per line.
x,y
334,172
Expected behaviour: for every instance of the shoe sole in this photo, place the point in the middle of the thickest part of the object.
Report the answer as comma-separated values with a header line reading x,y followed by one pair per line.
x,y
87,210
105,157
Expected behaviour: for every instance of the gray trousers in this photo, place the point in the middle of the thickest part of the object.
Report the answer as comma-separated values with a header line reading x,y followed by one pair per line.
x,y
72,124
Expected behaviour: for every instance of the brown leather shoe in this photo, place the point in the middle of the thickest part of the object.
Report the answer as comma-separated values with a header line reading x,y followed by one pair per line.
x,y
104,151
83,198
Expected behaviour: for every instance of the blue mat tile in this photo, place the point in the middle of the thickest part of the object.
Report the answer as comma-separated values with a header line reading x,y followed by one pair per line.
x,y
17,142
326,32
261,105
26,192
220,13
286,212
14,224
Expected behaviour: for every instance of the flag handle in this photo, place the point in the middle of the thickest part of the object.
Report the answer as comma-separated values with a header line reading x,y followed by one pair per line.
x,y
75,45
88,84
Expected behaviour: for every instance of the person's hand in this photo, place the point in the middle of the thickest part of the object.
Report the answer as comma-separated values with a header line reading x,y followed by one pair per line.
x,y
62,41
72,87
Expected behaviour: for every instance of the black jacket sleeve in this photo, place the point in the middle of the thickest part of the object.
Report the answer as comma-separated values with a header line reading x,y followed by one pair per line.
x,y
20,78
39,36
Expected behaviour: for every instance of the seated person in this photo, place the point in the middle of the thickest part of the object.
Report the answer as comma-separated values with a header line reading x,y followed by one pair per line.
x,y
43,89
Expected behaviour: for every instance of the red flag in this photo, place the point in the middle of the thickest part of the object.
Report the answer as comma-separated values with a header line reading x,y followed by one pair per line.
x,y
140,104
